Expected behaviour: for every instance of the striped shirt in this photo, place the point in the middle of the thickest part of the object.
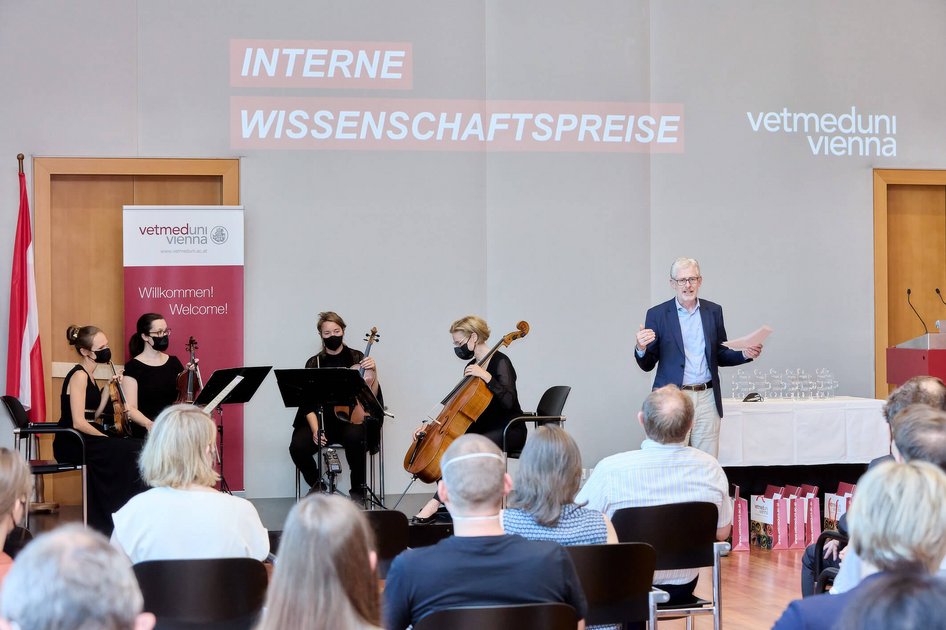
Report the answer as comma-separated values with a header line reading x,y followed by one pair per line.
x,y
576,526
658,474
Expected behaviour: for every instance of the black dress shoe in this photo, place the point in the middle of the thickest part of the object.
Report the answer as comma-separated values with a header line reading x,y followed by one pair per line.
x,y
424,520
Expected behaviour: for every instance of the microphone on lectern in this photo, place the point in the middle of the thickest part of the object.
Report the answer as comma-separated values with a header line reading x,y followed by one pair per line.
x,y
940,296
925,329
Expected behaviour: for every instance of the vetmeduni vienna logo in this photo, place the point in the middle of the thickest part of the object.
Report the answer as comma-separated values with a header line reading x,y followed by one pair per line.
x,y
219,235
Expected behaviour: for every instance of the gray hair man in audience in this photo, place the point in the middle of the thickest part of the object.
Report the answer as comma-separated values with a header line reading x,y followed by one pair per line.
x,y
72,579
479,565
927,390
664,470
919,434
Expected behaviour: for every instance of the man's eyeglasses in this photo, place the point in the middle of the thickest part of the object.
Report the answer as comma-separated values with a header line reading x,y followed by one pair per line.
x,y
682,282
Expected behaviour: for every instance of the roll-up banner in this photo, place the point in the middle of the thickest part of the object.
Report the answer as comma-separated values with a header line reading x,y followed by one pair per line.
x,y
186,263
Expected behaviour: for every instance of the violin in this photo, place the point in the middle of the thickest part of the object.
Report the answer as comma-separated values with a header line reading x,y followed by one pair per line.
x,y
121,424
189,382
461,408
356,414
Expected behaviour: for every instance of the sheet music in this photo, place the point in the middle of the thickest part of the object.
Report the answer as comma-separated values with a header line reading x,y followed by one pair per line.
x,y
223,394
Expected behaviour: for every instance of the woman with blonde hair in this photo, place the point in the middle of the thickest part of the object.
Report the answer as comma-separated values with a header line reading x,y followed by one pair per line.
x,y
325,574
16,485
469,336
542,504
182,516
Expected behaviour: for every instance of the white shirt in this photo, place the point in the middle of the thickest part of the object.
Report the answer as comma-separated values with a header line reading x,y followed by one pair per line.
x,y
659,474
175,524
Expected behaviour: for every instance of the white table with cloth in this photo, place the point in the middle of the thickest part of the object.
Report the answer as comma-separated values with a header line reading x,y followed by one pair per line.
x,y
787,432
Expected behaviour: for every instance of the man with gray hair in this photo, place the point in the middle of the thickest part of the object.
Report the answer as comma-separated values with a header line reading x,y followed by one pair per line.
x,y
919,434
479,565
683,338
665,470
72,579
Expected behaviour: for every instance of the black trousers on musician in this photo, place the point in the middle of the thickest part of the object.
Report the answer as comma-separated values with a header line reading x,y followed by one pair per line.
x,y
354,438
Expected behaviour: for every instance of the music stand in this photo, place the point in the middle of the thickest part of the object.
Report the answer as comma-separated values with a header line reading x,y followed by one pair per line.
x,y
326,388
252,377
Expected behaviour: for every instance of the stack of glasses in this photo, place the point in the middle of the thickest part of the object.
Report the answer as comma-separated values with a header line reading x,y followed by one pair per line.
x,y
794,384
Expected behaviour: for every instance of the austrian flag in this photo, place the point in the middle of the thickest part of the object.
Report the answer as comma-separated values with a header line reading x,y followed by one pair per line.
x,y
24,356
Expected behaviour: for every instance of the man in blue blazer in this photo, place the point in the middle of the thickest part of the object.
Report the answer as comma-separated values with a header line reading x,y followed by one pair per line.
x,y
683,339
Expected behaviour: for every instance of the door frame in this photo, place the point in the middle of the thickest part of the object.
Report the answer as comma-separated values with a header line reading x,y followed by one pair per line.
x,y
46,168
884,177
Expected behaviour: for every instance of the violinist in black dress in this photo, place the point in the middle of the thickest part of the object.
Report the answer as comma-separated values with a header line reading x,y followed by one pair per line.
x,y
111,462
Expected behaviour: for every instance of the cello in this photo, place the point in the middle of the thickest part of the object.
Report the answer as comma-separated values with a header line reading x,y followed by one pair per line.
x,y
462,406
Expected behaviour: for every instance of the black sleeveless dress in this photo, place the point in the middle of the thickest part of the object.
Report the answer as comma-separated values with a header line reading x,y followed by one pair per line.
x,y
111,463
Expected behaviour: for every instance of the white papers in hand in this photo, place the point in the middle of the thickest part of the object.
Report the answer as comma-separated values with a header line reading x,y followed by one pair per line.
x,y
752,339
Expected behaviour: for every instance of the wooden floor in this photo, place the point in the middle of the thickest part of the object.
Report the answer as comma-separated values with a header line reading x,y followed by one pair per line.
x,y
757,585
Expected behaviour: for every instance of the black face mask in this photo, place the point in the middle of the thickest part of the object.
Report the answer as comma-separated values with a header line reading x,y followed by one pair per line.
x,y
332,343
103,356
463,352
160,343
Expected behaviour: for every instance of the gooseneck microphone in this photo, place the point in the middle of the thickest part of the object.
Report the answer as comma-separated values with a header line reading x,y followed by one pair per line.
x,y
925,329
940,296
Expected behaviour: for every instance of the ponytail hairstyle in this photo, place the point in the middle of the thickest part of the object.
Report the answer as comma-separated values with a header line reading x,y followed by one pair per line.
x,y
136,345
82,337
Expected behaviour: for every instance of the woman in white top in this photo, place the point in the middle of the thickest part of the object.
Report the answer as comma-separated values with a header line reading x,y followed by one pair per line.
x,y
182,516
325,574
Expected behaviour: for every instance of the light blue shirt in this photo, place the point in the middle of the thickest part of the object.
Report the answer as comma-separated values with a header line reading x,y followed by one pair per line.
x,y
695,370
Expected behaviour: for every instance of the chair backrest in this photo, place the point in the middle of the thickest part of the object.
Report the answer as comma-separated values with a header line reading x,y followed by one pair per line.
x,y
391,533
682,534
555,616
16,412
202,591
553,401
616,580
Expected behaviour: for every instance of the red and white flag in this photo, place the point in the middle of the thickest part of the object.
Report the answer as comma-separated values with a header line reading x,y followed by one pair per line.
x,y
24,356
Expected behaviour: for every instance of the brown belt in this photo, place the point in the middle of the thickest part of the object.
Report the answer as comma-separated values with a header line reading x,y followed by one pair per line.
x,y
699,387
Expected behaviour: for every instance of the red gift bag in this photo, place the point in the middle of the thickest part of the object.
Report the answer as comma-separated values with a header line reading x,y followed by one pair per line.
x,y
740,522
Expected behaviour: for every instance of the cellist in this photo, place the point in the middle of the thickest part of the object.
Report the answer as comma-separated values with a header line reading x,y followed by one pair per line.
x,y
469,335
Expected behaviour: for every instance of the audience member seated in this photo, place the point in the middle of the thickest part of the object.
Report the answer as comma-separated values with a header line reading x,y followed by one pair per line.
x,y
16,485
927,390
665,470
480,565
898,602
542,503
72,578
896,522
325,574
182,516
919,434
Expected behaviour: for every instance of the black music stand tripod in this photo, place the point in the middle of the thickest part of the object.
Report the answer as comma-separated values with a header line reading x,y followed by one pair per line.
x,y
326,388
214,395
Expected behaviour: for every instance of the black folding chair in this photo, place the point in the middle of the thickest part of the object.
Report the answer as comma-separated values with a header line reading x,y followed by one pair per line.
x,y
549,410
617,581
684,537
519,617
391,533
23,428
824,577
220,593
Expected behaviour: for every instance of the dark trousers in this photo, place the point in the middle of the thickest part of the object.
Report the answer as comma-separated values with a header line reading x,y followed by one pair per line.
x,y
352,437
808,576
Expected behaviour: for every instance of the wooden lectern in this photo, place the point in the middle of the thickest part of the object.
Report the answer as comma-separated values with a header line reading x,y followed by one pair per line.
x,y
923,356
